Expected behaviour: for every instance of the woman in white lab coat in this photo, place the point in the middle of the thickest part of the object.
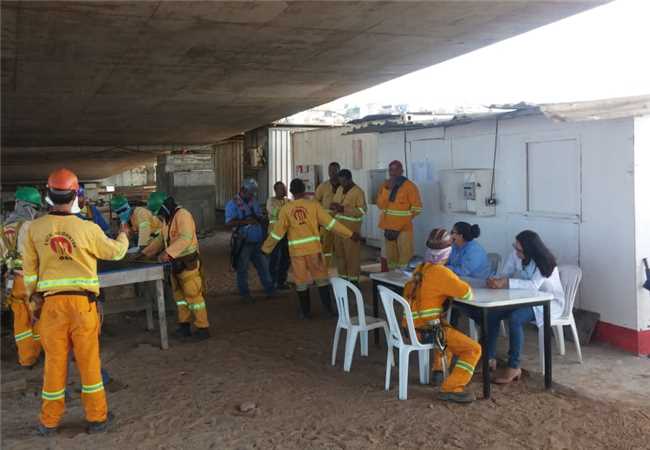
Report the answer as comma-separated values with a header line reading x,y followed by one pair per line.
x,y
531,266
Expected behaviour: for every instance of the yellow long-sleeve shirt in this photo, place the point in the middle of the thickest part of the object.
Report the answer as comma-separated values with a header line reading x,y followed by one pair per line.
x,y
325,194
177,238
398,214
61,252
12,242
146,224
300,220
273,207
354,207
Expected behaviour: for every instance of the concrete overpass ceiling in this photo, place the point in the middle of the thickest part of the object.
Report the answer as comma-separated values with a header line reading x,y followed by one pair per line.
x,y
130,73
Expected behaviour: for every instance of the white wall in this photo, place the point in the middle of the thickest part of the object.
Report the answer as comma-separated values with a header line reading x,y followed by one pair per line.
x,y
642,208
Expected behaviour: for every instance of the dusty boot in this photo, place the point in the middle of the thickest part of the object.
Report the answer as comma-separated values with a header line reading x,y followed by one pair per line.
x,y
201,334
437,377
44,431
100,427
326,301
183,330
457,397
304,303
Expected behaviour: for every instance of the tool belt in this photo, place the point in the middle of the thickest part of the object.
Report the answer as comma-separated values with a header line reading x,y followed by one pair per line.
x,y
434,334
92,297
187,262
391,235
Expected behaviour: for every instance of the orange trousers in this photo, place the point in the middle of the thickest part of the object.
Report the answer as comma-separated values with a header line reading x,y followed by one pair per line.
x,y
27,338
400,251
188,295
468,352
327,246
71,320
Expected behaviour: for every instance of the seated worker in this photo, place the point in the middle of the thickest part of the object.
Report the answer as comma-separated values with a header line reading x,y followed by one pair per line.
x,y
140,219
531,266
427,291
90,212
300,220
468,259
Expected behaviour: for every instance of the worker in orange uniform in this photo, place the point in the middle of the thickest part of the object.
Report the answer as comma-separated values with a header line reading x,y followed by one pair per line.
x,y
399,200
179,245
60,265
142,221
14,231
324,195
349,205
300,219
427,292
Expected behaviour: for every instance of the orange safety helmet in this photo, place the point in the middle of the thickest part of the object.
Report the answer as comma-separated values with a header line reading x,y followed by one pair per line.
x,y
63,180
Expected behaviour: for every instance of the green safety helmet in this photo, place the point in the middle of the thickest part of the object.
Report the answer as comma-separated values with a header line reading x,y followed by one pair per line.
x,y
29,194
118,201
155,201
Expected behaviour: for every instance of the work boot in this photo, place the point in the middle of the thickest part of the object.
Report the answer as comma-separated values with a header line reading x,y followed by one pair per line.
x,y
304,303
44,431
100,427
201,334
437,377
183,330
326,301
457,397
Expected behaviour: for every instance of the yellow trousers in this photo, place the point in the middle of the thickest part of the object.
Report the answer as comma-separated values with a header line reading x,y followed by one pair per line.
x,y
71,320
400,251
468,352
27,337
348,258
327,245
188,295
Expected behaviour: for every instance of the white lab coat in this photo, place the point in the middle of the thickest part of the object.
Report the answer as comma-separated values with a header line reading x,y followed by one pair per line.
x,y
530,278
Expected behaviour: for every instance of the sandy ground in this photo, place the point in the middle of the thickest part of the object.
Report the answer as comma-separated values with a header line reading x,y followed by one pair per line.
x,y
189,397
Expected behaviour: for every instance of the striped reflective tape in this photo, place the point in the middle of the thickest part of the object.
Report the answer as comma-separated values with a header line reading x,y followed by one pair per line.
x,y
92,388
305,240
44,284
426,313
468,296
394,212
24,335
465,366
30,278
275,236
196,306
416,208
363,211
181,303
121,254
330,225
349,218
36,337
53,395
328,254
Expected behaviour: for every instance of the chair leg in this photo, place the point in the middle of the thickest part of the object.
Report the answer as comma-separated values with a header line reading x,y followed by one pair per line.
x,y
350,343
425,366
558,331
388,344
472,330
540,344
574,331
403,373
335,346
390,362
363,338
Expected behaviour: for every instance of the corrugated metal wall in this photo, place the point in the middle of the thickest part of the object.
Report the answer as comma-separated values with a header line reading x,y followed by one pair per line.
x,y
281,155
228,169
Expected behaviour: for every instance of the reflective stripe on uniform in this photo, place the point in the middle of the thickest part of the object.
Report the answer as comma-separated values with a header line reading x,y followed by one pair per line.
x,y
181,303
465,366
275,236
394,212
196,306
425,313
121,254
416,208
30,278
351,219
304,240
53,395
330,225
44,284
36,337
468,296
328,254
363,211
91,389
187,236
24,335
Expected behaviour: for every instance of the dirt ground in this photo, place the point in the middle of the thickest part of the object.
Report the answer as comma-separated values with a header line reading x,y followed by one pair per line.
x,y
189,397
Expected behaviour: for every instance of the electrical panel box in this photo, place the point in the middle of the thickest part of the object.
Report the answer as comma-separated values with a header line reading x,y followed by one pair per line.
x,y
467,191
375,179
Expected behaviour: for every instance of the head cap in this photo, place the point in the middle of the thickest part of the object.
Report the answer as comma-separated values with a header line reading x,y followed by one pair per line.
x,y
155,201
29,194
63,180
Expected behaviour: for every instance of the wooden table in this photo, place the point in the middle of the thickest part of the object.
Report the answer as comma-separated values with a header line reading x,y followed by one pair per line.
x,y
111,275
484,300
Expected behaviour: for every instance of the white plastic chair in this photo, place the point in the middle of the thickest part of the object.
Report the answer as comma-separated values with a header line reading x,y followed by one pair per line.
x,y
354,326
388,299
570,277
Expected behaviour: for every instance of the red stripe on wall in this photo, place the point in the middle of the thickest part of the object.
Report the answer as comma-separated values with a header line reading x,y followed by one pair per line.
x,y
633,341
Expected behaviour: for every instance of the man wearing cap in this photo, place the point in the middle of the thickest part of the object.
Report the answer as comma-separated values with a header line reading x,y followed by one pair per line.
x,y
13,233
141,220
399,200
325,195
90,212
60,265
427,292
178,244
244,216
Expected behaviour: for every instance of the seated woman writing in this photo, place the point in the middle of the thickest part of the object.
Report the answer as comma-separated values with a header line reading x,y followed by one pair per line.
x,y
531,266
428,290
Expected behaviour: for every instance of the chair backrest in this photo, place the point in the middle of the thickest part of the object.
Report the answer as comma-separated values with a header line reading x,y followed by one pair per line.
x,y
341,287
388,300
570,277
495,262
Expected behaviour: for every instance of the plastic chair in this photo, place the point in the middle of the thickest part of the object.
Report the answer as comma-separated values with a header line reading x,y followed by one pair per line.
x,y
388,300
570,277
354,326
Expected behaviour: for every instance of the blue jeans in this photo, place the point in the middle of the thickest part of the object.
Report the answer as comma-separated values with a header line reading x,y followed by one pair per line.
x,y
252,252
516,320
279,263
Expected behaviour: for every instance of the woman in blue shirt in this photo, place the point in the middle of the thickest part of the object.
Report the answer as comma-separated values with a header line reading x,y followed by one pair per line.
x,y
468,259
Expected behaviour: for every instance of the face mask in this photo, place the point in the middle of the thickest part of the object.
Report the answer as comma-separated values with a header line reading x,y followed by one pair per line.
x,y
75,206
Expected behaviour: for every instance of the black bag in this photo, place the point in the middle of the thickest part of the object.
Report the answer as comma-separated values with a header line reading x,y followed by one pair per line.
x,y
187,262
237,243
391,235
